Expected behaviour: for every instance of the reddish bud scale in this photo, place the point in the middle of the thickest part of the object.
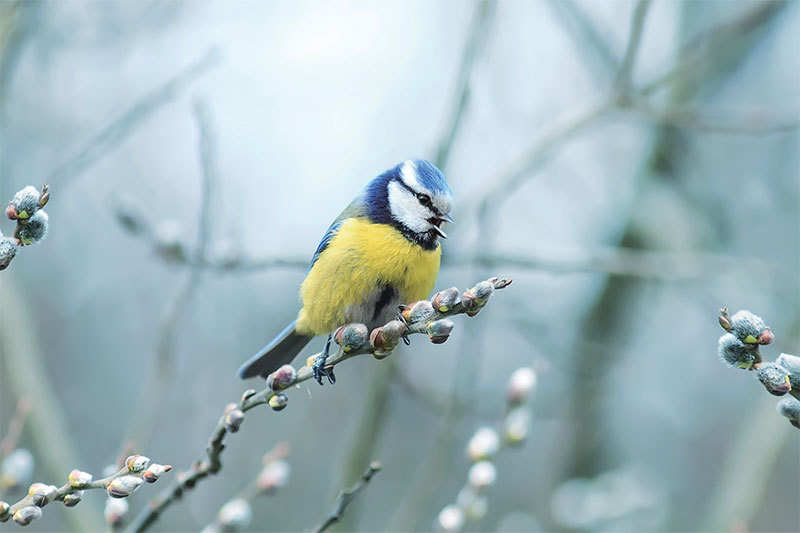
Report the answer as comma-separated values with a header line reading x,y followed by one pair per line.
x,y
383,348
445,300
282,378
766,337
11,212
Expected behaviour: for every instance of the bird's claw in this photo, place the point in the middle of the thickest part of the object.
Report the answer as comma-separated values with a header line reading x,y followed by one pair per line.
x,y
320,370
402,319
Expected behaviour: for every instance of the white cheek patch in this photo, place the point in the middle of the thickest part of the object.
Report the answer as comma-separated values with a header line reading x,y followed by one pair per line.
x,y
407,210
443,204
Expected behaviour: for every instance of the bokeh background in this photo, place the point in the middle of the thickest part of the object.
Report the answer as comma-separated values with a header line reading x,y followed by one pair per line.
x,y
634,167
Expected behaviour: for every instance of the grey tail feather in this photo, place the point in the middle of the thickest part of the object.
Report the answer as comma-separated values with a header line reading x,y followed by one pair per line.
x,y
280,351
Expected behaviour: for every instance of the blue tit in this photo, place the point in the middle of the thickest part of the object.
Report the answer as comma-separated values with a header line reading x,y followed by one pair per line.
x,y
381,252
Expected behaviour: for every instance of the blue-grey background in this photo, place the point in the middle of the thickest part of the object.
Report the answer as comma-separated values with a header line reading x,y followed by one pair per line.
x,y
624,234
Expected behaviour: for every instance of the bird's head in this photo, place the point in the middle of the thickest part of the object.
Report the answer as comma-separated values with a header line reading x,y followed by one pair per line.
x,y
415,198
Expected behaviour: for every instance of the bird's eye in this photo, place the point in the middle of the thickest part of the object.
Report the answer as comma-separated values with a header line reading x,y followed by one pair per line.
x,y
424,199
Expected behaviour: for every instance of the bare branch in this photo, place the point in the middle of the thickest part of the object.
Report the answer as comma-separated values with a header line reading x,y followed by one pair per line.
x,y
427,317
15,427
484,13
624,83
123,126
121,484
348,496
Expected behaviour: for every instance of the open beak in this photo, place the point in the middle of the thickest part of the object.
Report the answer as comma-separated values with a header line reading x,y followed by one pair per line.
x,y
439,232
447,218
437,221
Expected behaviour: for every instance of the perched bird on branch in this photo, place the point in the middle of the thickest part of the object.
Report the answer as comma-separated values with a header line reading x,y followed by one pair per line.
x,y
381,252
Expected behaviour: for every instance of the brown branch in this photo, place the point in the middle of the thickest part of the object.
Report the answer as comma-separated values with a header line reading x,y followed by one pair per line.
x,y
118,485
427,317
348,496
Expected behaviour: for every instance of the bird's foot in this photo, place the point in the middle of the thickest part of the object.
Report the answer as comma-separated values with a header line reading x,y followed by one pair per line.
x,y
320,370
402,319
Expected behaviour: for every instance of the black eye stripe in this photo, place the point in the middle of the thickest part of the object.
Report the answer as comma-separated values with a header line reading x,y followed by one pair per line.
x,y
419,196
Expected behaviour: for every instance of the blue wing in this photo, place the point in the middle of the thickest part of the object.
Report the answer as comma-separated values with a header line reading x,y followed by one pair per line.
x,y
354,210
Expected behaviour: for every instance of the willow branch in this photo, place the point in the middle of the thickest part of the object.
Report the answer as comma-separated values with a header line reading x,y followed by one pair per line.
x,y
118,485
625,74
348,496
423,317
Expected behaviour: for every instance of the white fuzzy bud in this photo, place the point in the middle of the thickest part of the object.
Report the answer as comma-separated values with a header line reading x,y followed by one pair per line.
x,y
115,510
273,476
236,513
520,385
16,469
124,486
482,475
28,514
483,444
137,463
450,520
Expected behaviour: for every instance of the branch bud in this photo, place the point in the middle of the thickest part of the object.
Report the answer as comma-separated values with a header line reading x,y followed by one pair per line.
x,y
11,211
278,402
470,303
235,514
155,471
774,377
445,300
246,395
282,378
736,353
439,330
42,494
418,312
482,475
483,444
26,202
78,479
16,469
385,338
233,420
351,337
748,327
517,425
4,507
136,463
520,385
34,230
124,486
789,407
273,476
26,515
450,520
115,510
8,249
44,197
73,498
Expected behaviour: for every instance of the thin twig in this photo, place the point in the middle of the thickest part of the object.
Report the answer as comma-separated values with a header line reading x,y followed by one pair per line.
x,y
744,123
379,345
624,77
484,13
145,420
123,126
347,496
15,427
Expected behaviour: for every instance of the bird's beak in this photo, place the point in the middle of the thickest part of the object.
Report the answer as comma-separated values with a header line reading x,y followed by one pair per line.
x,y
439,232
447,218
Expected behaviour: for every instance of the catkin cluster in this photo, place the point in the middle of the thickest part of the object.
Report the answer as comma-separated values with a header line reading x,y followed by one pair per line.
x,y
739,346
32,222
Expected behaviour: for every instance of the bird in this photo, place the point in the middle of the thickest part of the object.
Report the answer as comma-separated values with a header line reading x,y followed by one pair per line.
x,y
382,251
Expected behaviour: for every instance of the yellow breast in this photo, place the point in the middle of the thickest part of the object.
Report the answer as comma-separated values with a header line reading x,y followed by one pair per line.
x,y
362,256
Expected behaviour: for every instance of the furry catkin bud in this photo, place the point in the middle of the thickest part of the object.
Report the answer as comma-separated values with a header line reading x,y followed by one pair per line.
x,y
516,426
278,402
233,420
136,463
792,365
124,486
351,337
73,498
273,476
789,407
417,312
477,508
16,469
26,515
747,327
26,202
483,291
42,494
483,444
4,507
235,514
78,479
445,300
282,378
774,377
450,520
439,330
520,385
115,510
736,353
34,230
8,249
470,303
482,475
155,471
384,339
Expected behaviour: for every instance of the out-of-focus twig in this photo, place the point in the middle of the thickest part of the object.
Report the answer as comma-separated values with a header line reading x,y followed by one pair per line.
x,y
121,484
737,122
153,396
427,317
484,12
123,126
625,74
15,427
347,496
